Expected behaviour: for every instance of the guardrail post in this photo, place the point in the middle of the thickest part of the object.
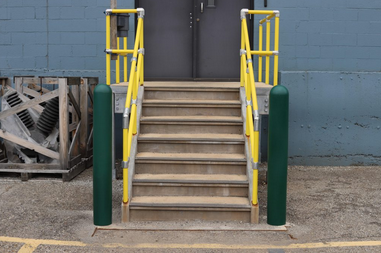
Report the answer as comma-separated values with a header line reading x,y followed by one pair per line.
x,y
102,149
277,156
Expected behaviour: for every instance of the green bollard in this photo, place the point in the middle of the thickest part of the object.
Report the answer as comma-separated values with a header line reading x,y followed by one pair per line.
x,y
102,153
277,156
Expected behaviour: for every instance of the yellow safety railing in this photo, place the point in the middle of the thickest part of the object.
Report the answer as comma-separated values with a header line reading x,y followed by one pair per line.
x,y
248,81
136,78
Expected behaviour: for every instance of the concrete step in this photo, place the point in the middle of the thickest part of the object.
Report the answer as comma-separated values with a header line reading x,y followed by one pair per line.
x,y
162,208
191,147
189,167
182,102
191,90
187,189
191,93
205,157
190,127
190,185
191,178
204,119
190,109
192,137
191,143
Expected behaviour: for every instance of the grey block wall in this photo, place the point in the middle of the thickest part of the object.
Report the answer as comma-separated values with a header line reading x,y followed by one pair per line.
x,y
55,37
330,60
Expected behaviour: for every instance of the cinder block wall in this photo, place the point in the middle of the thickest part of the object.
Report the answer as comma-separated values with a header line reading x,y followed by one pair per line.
x,y
330,60
54,37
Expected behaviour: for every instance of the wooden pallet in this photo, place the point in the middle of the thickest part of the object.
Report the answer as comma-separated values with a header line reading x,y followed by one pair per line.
x,y
27,171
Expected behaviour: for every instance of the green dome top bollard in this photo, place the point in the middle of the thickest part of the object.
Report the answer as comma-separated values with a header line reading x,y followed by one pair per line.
x,y
102,153
277,156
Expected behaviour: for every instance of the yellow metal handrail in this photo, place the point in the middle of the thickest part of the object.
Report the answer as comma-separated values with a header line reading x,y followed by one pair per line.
x,y
136,78
248,81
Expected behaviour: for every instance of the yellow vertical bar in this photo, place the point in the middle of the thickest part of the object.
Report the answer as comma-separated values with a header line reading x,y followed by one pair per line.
x,y
142,57
243,70
117,63
125,170
268,28
108,56
255,171
276,48
125,185
125,60
260,49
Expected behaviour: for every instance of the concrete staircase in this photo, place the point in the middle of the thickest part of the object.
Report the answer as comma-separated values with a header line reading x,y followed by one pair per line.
x,y
190,162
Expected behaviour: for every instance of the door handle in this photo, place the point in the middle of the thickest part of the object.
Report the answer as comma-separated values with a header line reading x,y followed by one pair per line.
x,y
202,7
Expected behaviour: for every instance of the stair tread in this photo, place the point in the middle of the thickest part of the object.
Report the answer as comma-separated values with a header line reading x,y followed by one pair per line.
x,y
191,101
190,156
192,178
190,201
193,118
182,84
204,137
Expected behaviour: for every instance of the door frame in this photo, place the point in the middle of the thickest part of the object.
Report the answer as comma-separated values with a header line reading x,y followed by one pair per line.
x,y
194,48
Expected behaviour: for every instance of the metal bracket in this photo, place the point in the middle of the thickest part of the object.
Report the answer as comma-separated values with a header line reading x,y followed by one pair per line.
x,y
249,103
126,118
125,163
268,20
244,13
108,11
140,12
133,59
256,120
242,52
141,51
275,52
253,164
277,14
108,51
248,61
134,101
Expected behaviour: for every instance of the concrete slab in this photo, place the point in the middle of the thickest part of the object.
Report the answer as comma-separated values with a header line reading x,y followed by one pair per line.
x,y
329,209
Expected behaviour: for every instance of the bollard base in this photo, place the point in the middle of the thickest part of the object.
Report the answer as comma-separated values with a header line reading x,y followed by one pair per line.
x,y
125,212
254,214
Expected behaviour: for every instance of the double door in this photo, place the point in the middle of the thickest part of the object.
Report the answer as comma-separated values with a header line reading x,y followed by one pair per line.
x,y
192,39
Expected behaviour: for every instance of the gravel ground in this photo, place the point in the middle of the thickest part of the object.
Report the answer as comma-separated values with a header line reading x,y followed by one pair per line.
x,y
325,204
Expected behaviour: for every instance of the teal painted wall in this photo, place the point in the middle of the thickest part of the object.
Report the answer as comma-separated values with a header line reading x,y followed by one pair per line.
x,y
330,60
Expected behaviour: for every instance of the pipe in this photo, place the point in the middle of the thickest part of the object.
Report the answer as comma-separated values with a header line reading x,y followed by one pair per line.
x,y
125,61
254,12
121,11
108,56
117,63
268,30
260,61
276,48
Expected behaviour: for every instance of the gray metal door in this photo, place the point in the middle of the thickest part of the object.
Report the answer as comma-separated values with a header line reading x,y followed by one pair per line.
x,y
218,38
168,39
192,39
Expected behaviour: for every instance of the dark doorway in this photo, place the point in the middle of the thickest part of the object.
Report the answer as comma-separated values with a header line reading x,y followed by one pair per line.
x,y
193,39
